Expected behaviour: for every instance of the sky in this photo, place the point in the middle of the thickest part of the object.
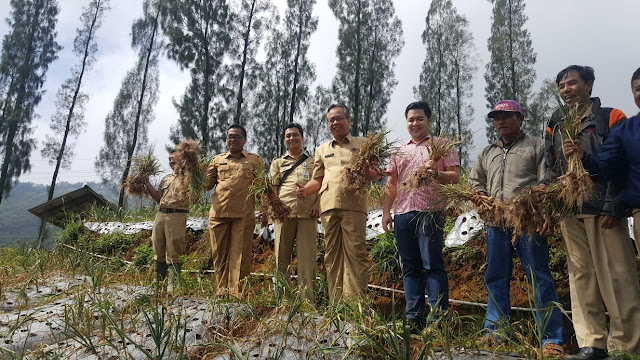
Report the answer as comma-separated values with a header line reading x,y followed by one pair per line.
x,y
564,32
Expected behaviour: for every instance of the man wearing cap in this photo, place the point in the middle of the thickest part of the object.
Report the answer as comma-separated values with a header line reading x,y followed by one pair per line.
x,y
502,171
169,227
232,209
602,268
300,229
418,222
343,215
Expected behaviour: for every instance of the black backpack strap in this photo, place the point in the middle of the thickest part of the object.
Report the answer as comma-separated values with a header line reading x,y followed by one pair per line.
x,y
293,167
602,123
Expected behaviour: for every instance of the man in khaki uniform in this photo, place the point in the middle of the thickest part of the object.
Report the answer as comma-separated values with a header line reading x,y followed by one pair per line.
x,y
232,209
343,215
296,167
169,227
602,269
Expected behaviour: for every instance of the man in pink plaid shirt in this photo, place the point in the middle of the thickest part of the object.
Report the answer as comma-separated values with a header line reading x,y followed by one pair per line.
x,y
418,222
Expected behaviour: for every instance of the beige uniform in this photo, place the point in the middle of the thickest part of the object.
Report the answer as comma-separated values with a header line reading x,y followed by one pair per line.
x,y
344,219
299,229
169,228
232,215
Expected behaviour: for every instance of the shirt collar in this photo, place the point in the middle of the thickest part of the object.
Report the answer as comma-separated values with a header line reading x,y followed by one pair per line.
x,y
411,141
347,139
288,156
242,154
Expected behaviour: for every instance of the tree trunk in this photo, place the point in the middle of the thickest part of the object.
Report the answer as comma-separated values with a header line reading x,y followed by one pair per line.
x,y
370,95
245,50
512,62
356,90
22,84
296,63
131,148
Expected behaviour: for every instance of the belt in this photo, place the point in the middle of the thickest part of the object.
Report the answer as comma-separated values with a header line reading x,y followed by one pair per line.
x,y
171,211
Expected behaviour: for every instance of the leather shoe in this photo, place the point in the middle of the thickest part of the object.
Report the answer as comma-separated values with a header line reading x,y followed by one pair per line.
x,y
589,353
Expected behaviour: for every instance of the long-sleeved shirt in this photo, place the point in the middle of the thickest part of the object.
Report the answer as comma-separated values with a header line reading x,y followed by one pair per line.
x,y
620,158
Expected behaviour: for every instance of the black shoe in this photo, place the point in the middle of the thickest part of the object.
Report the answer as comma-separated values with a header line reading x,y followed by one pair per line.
x,y
589,353
416,325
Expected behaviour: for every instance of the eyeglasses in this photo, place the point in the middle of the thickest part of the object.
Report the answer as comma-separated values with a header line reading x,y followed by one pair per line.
x,y
336,118
234,137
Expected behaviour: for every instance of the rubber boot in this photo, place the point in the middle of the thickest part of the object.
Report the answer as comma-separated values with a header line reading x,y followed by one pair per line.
x,y
175,280
161,271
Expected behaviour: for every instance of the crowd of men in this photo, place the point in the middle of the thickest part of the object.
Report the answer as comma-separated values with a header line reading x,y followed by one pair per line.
x,y
602,267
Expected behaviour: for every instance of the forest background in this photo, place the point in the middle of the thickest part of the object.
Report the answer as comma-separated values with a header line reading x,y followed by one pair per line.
x,y
552,35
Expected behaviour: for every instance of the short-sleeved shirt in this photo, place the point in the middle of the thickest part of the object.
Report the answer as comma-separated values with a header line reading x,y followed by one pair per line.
x,y
233,176
301,174
409,157
330,159
174,193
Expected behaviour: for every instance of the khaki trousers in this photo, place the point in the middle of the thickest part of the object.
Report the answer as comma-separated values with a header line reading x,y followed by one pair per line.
x,y
602,277
249,226
636,228
346,253
303,232
228,247
168,235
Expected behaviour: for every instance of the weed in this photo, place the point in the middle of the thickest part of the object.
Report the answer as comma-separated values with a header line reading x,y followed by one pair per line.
x,y
143,255
384,251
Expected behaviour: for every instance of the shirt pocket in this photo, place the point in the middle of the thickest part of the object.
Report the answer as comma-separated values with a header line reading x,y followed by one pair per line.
x,y
224,172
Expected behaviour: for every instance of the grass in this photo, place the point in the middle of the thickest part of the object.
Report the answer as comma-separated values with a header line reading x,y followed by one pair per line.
x,y
271,322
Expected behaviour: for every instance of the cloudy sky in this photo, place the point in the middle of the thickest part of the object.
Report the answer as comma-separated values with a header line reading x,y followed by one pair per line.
x,y
564,32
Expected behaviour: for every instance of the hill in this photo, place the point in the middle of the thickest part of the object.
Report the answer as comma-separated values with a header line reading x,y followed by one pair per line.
x,y
18,224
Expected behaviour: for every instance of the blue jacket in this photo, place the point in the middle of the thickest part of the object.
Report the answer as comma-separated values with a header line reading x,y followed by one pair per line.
x,y
620,157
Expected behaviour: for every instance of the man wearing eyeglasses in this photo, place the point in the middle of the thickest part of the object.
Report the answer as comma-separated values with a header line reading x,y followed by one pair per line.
x,y
231,218
343,215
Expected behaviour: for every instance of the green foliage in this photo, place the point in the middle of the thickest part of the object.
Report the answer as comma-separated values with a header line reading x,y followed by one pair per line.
x,y
73,232
286,77
446,81
384,251
199,39
143,255
510,72
28,48
198,261
126,125
68,121
370,38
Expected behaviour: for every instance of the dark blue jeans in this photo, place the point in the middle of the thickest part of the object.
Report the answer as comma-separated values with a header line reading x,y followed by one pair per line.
x,y
420,241
534,255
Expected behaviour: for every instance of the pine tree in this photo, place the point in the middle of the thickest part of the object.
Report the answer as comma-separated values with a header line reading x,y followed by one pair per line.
x,y
68,121
126,125
253,21
27,51
446,81
285,77
315,129
199,38
541,108
370,36
509,72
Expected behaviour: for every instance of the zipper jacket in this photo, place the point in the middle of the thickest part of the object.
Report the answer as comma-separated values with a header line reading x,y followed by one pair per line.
x,y
594,131
504,170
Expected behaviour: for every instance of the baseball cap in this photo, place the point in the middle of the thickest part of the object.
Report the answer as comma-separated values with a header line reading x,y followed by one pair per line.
x,y
505,105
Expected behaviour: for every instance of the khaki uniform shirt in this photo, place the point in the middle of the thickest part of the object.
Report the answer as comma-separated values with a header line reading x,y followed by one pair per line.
x,y
174,193
301,174
233,177
330,159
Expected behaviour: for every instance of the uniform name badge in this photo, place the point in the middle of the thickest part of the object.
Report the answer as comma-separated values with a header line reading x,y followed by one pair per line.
x,y
305,175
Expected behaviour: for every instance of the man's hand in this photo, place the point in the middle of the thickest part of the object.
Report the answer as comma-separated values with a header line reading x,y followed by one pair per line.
x,y
300,193
432,169
607,222
478,199
387,222
315,210
571,147
374,174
